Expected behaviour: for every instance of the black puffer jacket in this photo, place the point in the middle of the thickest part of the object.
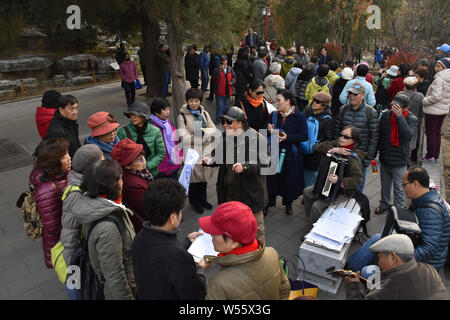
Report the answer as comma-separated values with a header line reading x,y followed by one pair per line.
x,y
396,156
368,127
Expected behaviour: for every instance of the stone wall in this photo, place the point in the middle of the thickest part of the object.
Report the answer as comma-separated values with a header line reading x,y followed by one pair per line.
x,y
28,74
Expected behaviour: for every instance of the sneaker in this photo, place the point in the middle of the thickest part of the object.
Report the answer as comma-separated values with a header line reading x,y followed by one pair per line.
x,y
429,160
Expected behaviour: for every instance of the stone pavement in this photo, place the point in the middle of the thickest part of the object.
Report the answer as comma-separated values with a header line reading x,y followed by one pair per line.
x,y
23,274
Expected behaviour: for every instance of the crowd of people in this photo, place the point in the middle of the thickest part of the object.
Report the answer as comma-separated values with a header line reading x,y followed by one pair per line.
x,y
121,186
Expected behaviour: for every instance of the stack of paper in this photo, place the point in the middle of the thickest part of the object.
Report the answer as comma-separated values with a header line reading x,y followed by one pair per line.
x,y
202,246
335,228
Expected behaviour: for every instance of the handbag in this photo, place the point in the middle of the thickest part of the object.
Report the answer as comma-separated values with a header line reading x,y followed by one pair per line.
x,y
137,84
300,289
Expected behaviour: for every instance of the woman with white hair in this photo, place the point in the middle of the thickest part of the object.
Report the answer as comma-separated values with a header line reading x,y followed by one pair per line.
x,y
273,82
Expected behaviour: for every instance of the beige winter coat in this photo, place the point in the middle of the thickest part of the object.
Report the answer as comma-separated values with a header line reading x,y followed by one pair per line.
x,y
186,133
437,100
256,275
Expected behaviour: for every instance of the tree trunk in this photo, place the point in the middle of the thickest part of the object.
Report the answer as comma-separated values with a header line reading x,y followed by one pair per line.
x,y
175,36
150,38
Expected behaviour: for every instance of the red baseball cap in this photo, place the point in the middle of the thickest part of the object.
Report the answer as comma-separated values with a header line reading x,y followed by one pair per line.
x,y
233,219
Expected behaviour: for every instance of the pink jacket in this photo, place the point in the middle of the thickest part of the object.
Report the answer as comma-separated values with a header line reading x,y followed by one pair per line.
x,y
128,71
49,204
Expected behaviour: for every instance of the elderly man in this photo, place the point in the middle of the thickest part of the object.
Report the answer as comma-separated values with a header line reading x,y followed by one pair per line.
x,y
402,278
397,128
362,116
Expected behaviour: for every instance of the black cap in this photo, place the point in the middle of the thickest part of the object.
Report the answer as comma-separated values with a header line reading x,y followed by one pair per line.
x,y
233,113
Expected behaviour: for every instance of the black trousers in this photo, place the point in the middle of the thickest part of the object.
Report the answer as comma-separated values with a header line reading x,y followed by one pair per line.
x,y
130,92
197,193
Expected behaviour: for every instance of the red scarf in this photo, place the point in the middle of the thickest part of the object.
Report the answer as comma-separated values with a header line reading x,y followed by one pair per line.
x,y
242,250
351,146
394,129
118,200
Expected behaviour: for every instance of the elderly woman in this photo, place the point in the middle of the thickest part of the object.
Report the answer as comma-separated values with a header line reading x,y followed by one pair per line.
x,y
436,106
254,106
273,82
196,129
292,128
135,178
240,179
49,178
104,132
346,147
318,111
141,131
160,110
106,220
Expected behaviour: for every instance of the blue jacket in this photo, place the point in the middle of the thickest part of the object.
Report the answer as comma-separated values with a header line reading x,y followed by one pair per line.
x,y
369,98
435,231
203,59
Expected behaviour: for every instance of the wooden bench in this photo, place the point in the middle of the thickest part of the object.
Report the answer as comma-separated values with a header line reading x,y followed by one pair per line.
x,y
318,258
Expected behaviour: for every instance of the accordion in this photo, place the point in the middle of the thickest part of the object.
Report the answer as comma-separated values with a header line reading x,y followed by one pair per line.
x,y
403,221
329,164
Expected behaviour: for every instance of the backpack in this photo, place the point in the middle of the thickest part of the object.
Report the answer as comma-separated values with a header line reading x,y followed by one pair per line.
x,y
59,264
90,285
313,132
30,214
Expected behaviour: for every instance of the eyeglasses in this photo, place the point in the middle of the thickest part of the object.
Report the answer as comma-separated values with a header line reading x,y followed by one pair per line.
x,y
404,184
352,94
319,102
227,121
346,137
140,158
259,93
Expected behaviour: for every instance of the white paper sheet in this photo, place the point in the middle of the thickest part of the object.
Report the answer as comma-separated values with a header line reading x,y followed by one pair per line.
x,y
202,246
185,176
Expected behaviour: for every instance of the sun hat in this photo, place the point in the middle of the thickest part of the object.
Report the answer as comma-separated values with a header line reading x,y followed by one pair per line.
x,y
102,123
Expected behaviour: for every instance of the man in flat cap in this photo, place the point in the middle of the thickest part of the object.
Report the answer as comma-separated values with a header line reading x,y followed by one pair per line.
x,y
402,278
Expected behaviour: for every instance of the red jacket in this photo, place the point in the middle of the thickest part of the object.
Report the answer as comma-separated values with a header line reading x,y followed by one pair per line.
x,y
49,204
396,86
220,78
132,197
43,118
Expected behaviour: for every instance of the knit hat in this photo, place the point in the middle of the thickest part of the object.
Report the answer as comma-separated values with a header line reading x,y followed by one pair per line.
x,y
138,108
125,151
410,81
393,71
50,99
85,156
232,219
444,62
347,73
398,243
101,123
